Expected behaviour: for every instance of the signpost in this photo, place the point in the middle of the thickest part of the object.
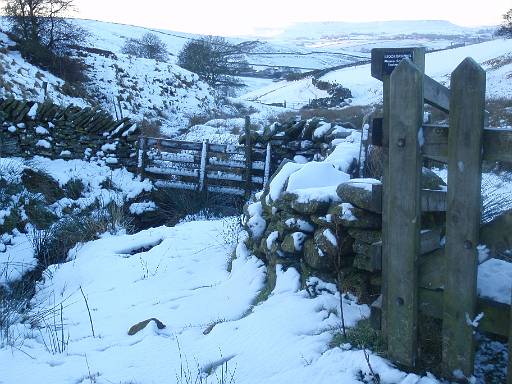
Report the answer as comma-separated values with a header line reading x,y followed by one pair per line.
x,y
391,59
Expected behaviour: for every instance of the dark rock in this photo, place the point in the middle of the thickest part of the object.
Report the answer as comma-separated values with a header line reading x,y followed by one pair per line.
x,y
358,192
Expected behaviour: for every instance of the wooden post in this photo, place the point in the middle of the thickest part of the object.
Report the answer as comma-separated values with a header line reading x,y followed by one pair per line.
x,y
119,105
248,157
142,156
381,73
403,233
268,161
463,215
202,168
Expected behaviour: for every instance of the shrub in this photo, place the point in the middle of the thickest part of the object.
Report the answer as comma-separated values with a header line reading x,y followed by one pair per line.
x,y
62,65
150,128
149,46
74,188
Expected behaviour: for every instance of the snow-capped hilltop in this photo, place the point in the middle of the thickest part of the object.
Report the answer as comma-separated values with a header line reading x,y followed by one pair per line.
x,y
390,28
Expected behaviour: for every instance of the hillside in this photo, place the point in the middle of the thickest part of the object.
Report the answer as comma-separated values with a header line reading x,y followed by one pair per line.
x,y
163,94
145,89
494,56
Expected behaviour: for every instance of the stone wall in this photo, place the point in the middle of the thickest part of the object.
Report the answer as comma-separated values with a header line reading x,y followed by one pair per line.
x,y
28,129
323,237
301,140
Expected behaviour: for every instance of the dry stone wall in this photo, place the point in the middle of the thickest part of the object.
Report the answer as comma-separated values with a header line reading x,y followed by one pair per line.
x,y
28,129
301,140
323,237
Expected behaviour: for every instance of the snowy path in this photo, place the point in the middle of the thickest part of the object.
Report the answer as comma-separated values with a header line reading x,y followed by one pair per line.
x,y
181,279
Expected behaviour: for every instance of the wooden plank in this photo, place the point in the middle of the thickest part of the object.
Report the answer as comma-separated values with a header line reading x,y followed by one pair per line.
x,y
248,156
166,143
176,185
160,172
429,242
403,237
463,215
228,149
497,143
226,190
496,318
433,200
436,95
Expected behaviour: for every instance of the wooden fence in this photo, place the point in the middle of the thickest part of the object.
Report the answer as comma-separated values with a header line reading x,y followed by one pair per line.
x,y
205,167
439,280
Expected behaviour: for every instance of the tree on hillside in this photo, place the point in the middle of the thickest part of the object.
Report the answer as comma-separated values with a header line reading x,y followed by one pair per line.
x,y
149,46
214,59
506,28
43,23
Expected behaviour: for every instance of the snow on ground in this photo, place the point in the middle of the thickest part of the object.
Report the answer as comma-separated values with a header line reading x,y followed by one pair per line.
x,y
23,80
209,314
367,90
18,257
148,89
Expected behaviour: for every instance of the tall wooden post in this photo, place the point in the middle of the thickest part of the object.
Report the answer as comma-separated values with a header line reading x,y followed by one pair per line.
x,y
463,216
404,203
248,157
142,156
203,176
268,161
384,60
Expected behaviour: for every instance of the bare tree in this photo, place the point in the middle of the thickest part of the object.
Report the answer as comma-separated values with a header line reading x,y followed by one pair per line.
x,y
214,59
44,36
149,46
42,22
505,29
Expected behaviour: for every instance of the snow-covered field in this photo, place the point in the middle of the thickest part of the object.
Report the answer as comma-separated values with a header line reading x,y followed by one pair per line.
x,y
367,90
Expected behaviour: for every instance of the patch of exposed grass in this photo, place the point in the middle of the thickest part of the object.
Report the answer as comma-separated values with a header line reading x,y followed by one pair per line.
x,y
362,336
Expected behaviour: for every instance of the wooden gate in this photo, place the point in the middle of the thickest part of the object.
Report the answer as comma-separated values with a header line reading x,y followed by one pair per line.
x,y
408,287
204,166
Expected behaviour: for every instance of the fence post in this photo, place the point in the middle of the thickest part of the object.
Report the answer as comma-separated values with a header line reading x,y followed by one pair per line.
x,y
268,160
404,214
202,168
248,157
380,71
463,216
142,156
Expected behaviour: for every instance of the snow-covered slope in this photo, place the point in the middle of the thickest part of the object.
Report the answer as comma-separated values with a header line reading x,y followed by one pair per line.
x,y
23,80
367,90
146,89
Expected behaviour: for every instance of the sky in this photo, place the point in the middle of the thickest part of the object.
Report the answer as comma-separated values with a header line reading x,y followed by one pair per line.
x,y
239,17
